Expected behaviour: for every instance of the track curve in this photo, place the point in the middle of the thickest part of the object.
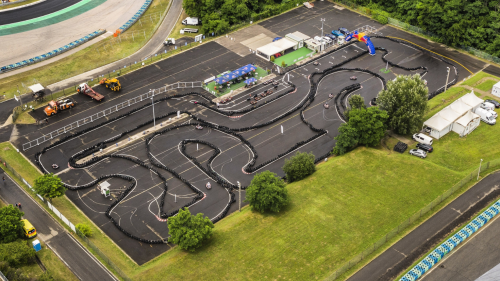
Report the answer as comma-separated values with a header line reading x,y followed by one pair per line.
x,y
35,11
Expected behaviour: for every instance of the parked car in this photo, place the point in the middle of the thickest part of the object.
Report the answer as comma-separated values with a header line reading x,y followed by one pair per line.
x,y
494,102
327,40
331,36
418,152
487,105
344,31
421,138
336,33
276,39
425,147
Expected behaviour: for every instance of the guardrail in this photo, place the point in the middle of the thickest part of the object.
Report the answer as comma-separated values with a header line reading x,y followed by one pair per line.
x,y
53,53
108,111
135,18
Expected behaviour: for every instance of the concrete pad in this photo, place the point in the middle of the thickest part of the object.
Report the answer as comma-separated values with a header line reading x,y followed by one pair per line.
x,y
249,38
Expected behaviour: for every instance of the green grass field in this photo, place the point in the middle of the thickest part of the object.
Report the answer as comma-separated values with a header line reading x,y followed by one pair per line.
x,y
478,76
486,85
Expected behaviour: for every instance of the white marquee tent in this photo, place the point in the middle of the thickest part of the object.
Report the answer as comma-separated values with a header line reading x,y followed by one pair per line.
x,y
472,100
466,124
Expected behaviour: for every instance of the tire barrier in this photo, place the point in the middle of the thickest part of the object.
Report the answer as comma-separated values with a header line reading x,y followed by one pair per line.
x,y
135,18
435,256
53,53
400,147
314,79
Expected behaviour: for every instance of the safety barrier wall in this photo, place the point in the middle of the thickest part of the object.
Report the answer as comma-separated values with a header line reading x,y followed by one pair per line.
x,y
435,256
135,18
53,53
6,165
109,111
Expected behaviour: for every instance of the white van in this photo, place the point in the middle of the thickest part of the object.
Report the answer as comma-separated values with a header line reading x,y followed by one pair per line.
x,y
486,116
191,21
488,105
421,138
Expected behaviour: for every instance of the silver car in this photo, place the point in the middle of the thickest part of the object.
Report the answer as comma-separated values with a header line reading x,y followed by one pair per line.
x,y
418,152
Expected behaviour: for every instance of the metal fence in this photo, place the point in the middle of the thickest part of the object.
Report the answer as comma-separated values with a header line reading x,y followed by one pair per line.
x,y
109,111
422,212
89,243
481,54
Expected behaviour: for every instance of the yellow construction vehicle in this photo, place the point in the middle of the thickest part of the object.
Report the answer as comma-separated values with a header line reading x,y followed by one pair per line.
x,y
113,84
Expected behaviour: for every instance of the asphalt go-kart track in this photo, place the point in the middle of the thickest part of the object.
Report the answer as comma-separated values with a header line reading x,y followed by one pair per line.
x,y
155,167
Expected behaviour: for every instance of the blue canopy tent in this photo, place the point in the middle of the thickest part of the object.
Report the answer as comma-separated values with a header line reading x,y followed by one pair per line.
x,y
221,80
250,81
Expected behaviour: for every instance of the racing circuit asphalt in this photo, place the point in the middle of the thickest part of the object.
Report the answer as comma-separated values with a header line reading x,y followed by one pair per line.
x,y
138,212
35,11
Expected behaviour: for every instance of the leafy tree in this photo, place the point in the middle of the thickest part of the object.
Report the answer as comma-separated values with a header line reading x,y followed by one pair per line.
x,y
405,100
11,226
355,102
189,232
347,139
299,166
84,229
369,124
49,186
267,192
192,8
17,253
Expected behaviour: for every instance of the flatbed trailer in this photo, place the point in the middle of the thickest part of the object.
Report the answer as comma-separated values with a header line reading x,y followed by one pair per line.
x,y
87,90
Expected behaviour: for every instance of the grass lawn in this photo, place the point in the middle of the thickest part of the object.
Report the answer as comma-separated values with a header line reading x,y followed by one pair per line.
x,y
17,4
486,85
178,26
54,265
106,51
478,76
293,57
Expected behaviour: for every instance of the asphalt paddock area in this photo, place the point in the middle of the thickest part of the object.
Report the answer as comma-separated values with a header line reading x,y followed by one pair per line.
x,y
160,168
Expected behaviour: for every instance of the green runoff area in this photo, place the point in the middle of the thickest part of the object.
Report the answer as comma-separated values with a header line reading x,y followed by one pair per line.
x,y
335,214
259,73
46,20
101,53
293,57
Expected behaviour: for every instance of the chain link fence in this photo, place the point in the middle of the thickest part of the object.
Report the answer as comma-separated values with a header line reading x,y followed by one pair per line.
x,y
473,176
89,243
481,54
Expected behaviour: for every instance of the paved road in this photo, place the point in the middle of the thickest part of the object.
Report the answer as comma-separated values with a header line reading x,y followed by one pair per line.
x,y
474,258
78,259
376,269
35,11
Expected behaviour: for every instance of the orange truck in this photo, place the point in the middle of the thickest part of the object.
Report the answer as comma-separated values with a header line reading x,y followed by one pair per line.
x,y
55,106
87,90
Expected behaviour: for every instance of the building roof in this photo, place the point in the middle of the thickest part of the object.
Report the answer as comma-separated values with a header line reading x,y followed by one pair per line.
x,y
449,114
471,99
276,47
467,118
312,42
297,36
460,106
36,88
437,122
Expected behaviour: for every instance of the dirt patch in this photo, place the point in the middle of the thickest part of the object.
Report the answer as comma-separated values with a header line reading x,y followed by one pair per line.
x,y
439,236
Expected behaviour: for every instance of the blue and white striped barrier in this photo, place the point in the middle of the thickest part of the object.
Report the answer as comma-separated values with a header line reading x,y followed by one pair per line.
x,y
438,253
52,53
135,18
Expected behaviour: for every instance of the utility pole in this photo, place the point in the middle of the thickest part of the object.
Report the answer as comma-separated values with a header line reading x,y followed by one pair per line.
x,y
19,94
153,104
447,76
239,196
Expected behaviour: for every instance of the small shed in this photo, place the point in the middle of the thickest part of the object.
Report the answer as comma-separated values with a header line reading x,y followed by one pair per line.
x,y
466,124
297,37
496,90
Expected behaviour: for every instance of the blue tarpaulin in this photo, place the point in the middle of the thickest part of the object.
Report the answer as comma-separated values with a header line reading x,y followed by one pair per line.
x,y
235,74
249,81
221,80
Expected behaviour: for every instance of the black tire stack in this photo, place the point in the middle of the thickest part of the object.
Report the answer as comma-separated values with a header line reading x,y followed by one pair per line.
x,y
400,147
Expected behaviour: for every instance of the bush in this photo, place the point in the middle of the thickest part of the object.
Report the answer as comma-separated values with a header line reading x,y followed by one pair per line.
x,y
187,231
380,16
17,253
11,226
267,192
283,64
85,229
299,166
272,59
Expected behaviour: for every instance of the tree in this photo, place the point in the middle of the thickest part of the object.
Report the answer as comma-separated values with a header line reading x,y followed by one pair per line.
x,y
299,166
192,8
11,226
346,140
17,253
187,231
267,192
355,102
405,100
49,186
84,229
369,124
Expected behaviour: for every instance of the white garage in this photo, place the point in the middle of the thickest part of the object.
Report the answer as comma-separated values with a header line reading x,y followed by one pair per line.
x,y
466,124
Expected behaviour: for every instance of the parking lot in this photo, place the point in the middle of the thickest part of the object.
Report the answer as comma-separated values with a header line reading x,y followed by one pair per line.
x,y
140,212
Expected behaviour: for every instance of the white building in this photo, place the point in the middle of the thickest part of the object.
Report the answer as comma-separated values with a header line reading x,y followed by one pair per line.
x,y
496,90
458,117
275,47
297,37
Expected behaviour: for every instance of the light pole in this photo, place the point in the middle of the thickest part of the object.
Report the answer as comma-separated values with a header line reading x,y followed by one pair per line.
x,y
447,76
322,41
153,104
239,196
479,169
19,94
